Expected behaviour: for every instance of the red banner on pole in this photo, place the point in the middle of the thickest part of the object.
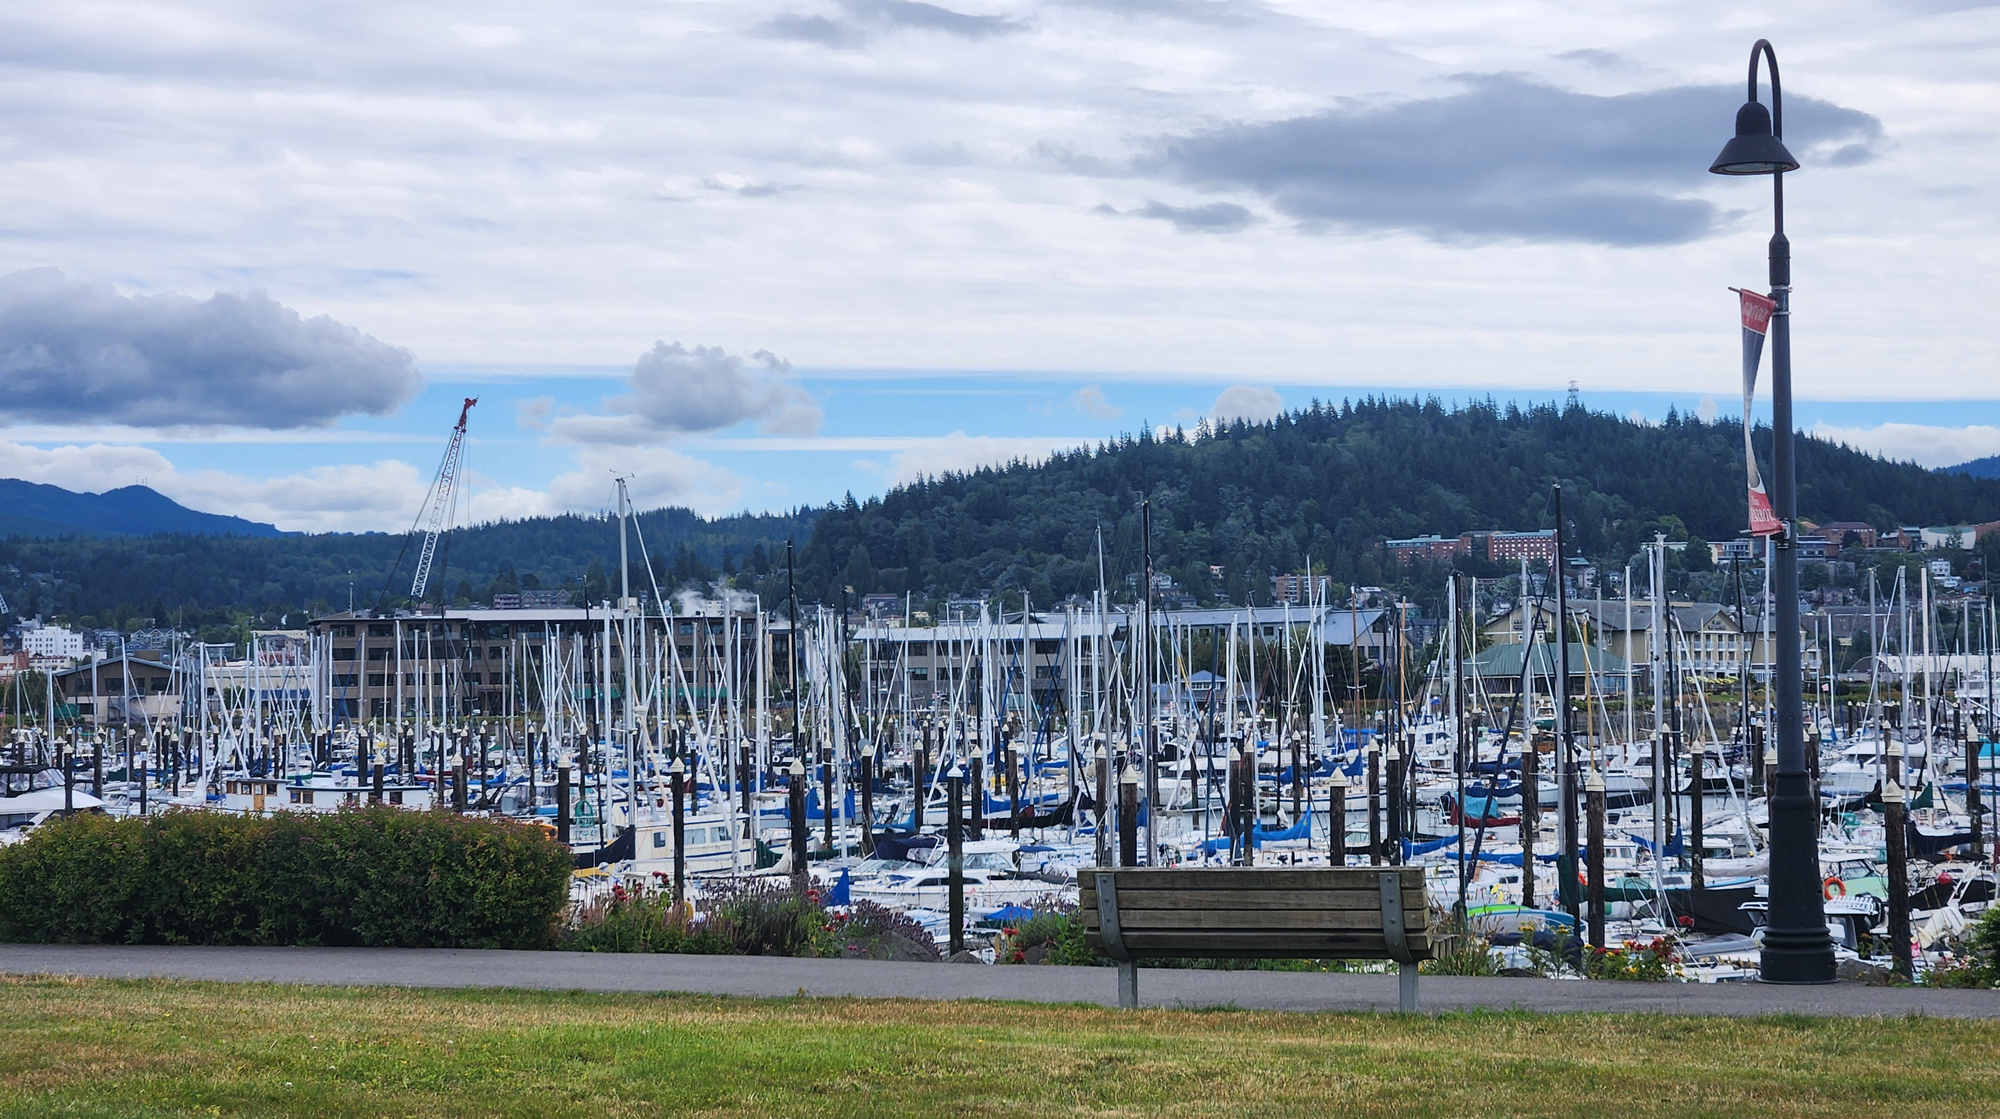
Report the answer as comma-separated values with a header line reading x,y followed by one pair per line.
x,y
1756,311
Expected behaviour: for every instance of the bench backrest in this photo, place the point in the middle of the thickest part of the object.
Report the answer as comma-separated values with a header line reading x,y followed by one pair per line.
x,y
1353,913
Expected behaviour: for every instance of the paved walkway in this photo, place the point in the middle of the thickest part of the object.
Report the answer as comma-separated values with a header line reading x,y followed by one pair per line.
x,y
774,977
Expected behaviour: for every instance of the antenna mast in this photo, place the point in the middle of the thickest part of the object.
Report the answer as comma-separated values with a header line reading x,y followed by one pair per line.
x,y
438,501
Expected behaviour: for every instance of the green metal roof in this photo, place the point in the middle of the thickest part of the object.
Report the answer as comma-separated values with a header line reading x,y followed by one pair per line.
x,y
1505,660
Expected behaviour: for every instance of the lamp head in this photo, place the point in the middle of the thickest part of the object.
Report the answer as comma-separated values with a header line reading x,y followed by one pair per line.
x,y
1756,149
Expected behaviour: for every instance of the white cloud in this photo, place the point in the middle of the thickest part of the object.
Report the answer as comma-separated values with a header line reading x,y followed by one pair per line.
x,y
1923,444
677,390
1091,402
1248,402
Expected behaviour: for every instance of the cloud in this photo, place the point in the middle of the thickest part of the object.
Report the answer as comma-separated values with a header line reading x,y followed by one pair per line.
x,y
883,15
743,186
1248,402
1600,59
1923,444
533,413
76,351
1091,402
1505,158
813,29
930,17
1215,13
677,390
1215,217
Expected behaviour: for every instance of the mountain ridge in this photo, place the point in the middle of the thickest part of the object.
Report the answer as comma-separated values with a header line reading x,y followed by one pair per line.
x,y
38,509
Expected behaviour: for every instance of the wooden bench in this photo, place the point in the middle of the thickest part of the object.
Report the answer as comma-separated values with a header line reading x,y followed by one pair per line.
x,y
1335,913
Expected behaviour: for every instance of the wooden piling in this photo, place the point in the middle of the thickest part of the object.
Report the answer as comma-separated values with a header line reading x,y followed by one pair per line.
x,y
1594,805
1893,823
955,849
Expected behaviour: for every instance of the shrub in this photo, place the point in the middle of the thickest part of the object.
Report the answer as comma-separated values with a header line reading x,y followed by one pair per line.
x,y
876,932
761,918
371,877
1054,935
641,920
1650,961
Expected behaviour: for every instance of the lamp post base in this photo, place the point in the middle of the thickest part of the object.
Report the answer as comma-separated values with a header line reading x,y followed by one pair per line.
x,y
1797,948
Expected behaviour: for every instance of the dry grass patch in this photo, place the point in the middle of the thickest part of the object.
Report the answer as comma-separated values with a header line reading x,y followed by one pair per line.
x,y
100,1047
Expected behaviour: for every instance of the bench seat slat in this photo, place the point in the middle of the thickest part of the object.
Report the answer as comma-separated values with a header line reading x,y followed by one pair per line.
x,y
1136,921
1231,900
1257,878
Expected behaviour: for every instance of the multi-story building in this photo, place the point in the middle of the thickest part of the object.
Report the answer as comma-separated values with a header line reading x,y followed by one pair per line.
x,y
1516,546
506,661
1433,548
1052,651
1299,589
51,641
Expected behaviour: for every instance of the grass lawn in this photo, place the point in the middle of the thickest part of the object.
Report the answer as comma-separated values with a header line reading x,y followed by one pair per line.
x,y
101,1047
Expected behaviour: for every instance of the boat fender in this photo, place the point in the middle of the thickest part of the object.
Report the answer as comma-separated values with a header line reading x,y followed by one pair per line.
x,y
1833,888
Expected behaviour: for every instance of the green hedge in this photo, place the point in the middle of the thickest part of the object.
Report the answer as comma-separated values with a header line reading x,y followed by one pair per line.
x,y
373,877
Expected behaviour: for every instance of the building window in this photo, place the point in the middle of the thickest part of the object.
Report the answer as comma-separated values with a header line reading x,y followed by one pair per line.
x,y
346,681
378,679
344,654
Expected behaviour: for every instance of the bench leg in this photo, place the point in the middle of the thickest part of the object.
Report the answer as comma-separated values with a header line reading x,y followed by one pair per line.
x,y
1128,986
1406,988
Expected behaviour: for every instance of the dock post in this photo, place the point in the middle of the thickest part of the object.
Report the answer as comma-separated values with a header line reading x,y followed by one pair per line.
x,y
1128,818
1594,807
678,777
796,801
1893,823
867,804
562,801
1375,804
1336,820
955,845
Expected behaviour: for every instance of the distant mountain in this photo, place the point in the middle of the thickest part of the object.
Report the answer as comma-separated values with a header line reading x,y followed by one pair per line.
x,y
30,509
1988,467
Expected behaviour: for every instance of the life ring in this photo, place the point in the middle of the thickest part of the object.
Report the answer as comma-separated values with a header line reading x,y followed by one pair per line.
x,y
1833,888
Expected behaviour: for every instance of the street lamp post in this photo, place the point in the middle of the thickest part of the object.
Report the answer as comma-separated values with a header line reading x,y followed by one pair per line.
x,y
1796,946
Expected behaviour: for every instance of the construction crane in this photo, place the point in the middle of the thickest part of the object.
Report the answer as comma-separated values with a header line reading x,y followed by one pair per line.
x,y
437,504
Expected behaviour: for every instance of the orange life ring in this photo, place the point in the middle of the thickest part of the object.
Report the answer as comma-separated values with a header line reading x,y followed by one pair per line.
x,y
1833,888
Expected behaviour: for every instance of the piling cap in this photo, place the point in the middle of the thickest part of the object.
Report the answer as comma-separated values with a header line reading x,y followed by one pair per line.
x,y
1594,783
1770,755
1895,748
677,768
1892,792
1131,776
1339,779
957,772
798,768
1373,748
1235,755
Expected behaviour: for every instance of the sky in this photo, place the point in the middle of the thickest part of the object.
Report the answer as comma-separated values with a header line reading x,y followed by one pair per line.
x,y
756,255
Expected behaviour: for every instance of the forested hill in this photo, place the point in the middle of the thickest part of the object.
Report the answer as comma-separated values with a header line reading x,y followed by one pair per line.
x,y
1332,481
204,581
1252,499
